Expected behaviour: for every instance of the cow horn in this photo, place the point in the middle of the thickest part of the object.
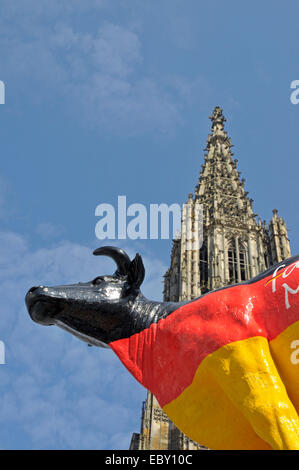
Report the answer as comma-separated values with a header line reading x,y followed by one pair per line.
x,y
118,255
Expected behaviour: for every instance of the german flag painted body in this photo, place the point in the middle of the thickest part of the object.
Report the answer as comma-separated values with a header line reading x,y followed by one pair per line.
x,y
225,367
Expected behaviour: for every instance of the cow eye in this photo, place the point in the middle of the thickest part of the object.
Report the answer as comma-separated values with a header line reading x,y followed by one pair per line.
x,y
97,280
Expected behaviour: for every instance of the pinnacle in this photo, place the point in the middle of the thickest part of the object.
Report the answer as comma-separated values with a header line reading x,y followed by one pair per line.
x,y
217,117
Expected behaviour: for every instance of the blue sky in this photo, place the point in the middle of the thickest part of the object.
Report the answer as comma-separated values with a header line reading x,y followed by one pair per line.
x,y
112,98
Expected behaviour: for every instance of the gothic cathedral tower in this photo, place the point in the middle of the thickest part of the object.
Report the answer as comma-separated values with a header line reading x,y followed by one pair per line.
x,y
222,241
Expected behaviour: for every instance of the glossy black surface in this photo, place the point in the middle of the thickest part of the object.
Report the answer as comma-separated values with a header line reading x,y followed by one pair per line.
x,y
105,309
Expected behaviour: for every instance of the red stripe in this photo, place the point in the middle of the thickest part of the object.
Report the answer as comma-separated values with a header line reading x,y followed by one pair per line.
x,y
165,356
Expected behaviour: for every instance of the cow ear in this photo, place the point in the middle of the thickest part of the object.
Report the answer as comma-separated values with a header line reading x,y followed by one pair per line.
x,y
136,272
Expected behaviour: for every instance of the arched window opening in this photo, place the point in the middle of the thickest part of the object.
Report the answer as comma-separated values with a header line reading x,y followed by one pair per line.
x,y
237,264
203,264
232,264
242,264
267,259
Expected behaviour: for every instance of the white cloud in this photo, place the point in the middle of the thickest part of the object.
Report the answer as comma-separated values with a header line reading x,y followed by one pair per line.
x,y
56,392
98,75
116,50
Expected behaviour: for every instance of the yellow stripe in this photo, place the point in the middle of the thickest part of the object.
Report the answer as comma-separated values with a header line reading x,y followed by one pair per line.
x,y
237,399
273,278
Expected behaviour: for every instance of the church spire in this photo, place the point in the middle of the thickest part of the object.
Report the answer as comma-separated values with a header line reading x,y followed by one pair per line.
x,y
236,246
220,187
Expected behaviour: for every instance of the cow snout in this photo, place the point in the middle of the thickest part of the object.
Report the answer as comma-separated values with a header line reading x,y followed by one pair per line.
x,y
37,305
33,294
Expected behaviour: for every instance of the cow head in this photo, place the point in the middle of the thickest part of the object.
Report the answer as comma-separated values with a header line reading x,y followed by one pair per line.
x,y
98,311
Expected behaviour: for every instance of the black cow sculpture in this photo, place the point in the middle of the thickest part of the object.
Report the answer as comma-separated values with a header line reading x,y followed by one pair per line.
x,y
218,365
